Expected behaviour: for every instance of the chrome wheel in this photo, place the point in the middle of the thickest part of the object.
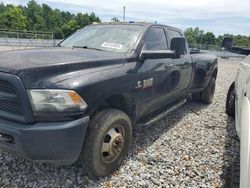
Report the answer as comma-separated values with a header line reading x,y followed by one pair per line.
x,y
113,144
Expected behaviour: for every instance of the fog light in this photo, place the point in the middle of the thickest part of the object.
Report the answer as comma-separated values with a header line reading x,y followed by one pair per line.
x,y
6,138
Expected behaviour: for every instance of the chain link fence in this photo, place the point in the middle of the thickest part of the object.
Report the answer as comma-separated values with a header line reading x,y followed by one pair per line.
x,y
26,39
214,49
206,47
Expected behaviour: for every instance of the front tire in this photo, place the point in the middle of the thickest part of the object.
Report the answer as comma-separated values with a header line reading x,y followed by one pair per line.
x,y
230,104
235,173
107,142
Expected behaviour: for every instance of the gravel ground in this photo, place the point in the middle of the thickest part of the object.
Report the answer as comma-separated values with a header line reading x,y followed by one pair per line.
x,y
192,147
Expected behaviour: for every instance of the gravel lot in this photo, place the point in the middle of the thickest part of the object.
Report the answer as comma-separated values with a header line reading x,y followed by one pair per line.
x,y
192,147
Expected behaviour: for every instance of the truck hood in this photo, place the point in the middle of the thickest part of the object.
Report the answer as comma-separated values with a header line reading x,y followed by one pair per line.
x,y
34,66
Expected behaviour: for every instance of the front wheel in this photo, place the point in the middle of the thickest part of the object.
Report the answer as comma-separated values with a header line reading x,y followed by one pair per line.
x,y
230,104
233,178
107,142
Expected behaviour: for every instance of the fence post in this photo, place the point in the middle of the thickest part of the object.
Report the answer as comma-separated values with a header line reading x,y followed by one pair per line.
x,y
53,40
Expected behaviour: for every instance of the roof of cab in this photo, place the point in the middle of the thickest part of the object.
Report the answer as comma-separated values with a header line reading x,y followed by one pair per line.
x,y
138,24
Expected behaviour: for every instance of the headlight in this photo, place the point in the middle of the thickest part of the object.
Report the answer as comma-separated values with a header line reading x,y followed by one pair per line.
x,y
50,101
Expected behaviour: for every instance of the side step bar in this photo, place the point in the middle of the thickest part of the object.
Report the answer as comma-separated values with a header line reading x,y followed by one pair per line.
x,y
162,115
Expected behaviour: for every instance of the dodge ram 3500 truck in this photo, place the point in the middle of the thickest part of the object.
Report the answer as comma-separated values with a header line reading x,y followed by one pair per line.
x,y
81,99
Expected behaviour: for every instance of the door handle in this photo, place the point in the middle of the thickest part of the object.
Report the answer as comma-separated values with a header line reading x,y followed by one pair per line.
x,y
185,65
169,66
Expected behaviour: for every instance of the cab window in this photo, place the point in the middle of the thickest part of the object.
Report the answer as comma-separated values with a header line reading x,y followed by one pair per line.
x,y
171,34
155,39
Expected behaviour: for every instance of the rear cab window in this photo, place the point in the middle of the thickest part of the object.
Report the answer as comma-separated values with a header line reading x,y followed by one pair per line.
x,y
155,39
171,34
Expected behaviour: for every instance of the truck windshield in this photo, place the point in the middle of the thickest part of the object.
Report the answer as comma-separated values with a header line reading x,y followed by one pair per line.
x,y
115,38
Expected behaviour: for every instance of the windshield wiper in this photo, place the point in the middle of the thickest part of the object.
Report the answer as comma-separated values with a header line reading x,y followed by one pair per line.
x,y
86,47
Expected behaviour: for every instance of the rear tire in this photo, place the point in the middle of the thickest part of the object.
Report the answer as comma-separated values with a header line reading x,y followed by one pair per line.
x,y
196,97
230,103
107,142
207,95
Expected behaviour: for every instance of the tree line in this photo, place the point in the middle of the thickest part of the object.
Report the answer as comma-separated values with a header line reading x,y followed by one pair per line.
x,y
36,17
197,36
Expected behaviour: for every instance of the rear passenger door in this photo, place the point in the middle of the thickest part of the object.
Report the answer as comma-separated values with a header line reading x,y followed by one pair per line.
x,y
182,67
156,72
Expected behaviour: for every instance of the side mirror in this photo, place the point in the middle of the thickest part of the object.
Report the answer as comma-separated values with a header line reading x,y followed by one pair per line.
x,y
227,43
178,45
156,54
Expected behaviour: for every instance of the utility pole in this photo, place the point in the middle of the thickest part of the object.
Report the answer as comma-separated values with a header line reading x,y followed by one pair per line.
x,y
124,10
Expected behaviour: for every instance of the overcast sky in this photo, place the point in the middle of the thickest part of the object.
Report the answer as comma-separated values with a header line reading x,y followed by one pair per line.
x,y
218,16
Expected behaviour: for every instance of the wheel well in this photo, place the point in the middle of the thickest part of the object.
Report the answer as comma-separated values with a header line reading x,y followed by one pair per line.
x,y
200,75
121,102
215,73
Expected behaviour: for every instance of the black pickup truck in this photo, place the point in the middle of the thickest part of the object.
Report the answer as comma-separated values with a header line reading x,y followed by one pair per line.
x,y
81,99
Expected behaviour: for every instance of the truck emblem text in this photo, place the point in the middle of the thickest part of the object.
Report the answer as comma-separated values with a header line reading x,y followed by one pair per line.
x,y
146,83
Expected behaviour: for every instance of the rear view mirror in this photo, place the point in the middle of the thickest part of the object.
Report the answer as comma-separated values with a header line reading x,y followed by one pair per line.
x,y
178,45
156,54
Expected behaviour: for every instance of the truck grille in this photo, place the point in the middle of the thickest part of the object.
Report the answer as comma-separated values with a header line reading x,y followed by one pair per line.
x,y
6,87
10,103
10,107
14,101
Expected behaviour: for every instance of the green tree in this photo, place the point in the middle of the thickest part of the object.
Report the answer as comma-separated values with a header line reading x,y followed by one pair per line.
x,y
2,8
93,18
66,16
72,24
34,14
115,19
242,41
82,20
67,30
57,18
190,36
43,18
208,38
197,36
36,17
58,33
194,36
47,15
13,18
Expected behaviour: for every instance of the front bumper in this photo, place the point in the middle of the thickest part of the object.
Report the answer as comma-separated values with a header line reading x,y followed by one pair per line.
x,y
50,142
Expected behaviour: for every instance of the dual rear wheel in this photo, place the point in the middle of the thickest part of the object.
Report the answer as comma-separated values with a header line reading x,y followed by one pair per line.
x,y
207,95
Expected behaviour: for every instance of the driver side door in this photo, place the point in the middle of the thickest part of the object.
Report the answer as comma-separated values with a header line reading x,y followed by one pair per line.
x,y
156,73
